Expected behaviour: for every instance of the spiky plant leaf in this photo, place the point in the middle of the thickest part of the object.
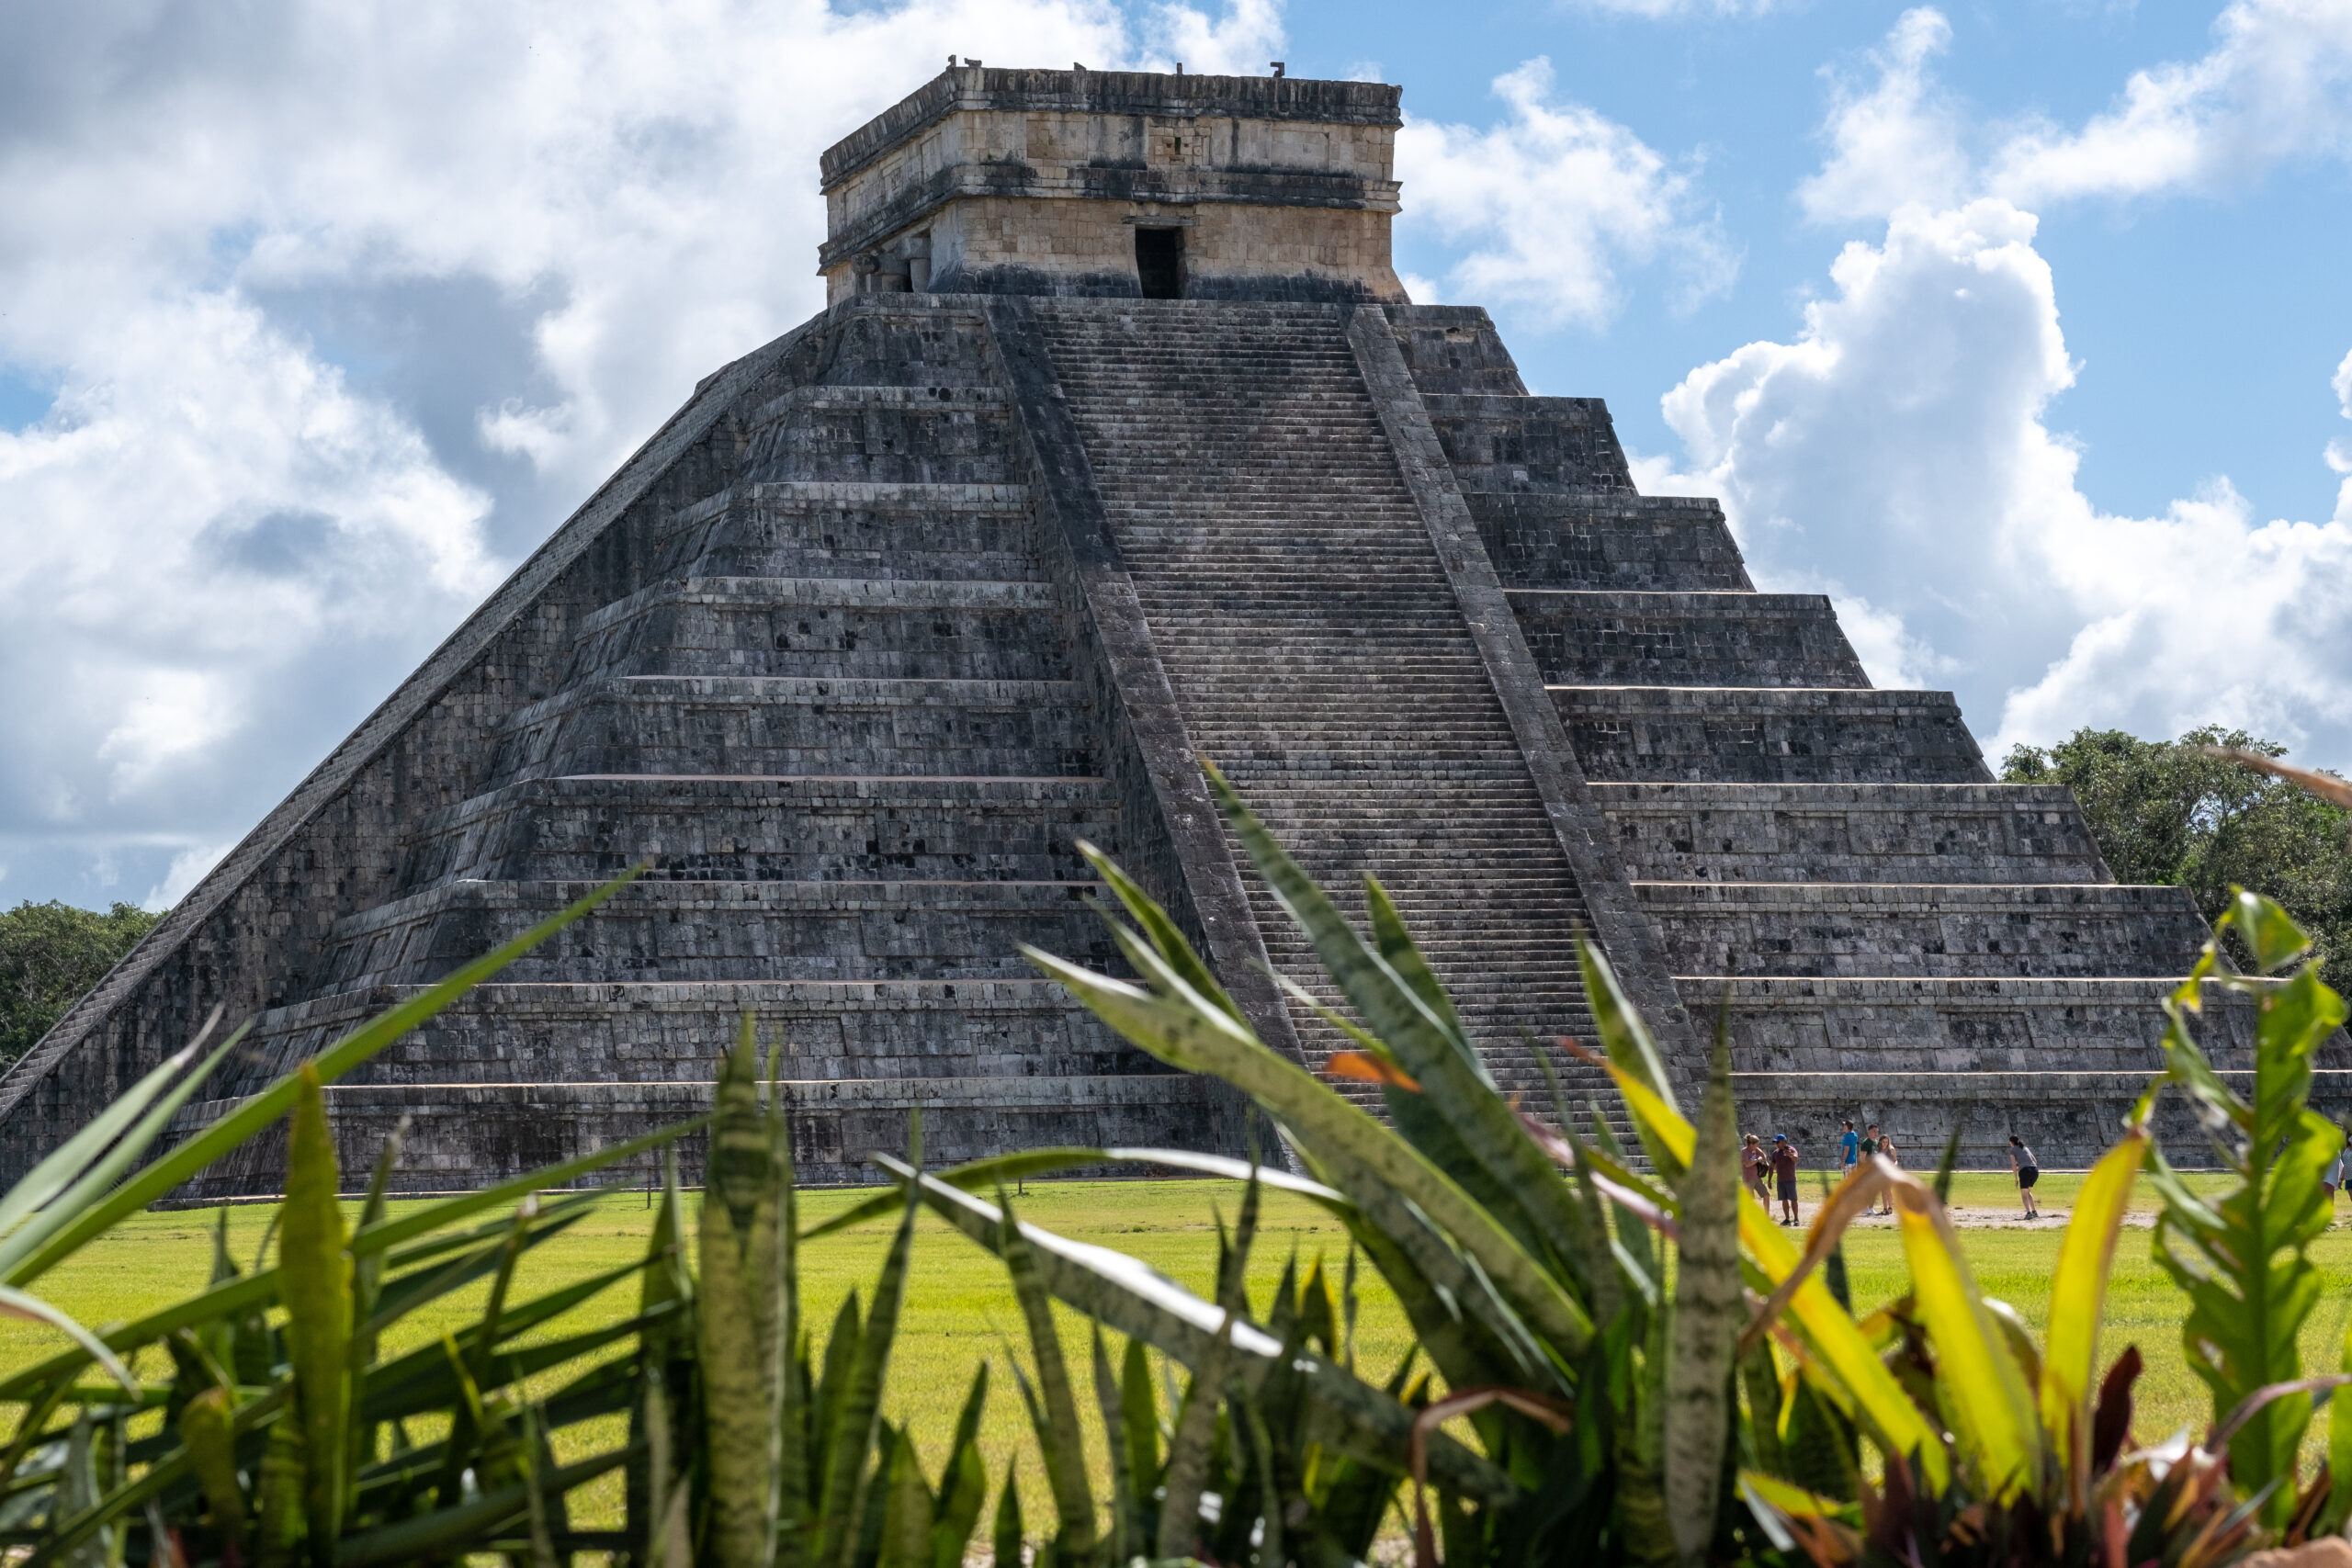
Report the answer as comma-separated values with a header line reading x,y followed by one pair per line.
x,y
1707,1315
317,1292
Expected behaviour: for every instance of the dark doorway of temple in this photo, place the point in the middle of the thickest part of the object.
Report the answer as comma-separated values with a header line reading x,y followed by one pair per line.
x,y
1159,263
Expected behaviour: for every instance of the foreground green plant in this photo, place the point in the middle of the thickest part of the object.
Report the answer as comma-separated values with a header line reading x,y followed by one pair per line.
x,y
1600,1394
1627,1360
283,1435
1535,1266
2240,1258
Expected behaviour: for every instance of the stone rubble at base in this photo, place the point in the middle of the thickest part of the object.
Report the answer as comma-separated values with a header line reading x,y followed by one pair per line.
x,y
978,563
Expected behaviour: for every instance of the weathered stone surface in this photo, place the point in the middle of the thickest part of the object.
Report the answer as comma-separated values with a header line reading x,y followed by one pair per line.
x,y
1523,445
1844,832
902,606
1035,182
1750,735
1600,638
1609,540
1830,858
1877,931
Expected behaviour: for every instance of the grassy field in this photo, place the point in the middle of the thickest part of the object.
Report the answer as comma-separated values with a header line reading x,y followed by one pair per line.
x,y
959,1311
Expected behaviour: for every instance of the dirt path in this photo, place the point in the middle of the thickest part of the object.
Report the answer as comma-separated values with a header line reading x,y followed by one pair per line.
x,y
1983,1219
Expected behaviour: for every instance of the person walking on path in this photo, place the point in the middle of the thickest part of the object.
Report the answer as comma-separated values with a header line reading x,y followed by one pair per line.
x,y
1850,1150
1886,1147
1751,1169
2028,1171
1784,1171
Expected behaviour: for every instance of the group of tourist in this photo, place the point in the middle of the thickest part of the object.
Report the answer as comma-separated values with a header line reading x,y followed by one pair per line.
x,y
1781,1162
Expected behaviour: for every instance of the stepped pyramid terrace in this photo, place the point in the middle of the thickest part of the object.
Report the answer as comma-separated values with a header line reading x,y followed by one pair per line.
x,y
1118,443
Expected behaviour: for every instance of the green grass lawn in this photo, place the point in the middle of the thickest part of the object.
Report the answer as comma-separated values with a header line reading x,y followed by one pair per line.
x,y
958,1310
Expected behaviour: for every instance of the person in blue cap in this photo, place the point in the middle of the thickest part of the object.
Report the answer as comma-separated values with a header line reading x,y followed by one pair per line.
x,y
1784,1173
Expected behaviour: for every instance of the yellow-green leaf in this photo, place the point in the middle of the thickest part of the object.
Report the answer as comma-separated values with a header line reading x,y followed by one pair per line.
x,y
1841,1351
1980,1381
316,1274
1656,1114
1188,1033
2078,1300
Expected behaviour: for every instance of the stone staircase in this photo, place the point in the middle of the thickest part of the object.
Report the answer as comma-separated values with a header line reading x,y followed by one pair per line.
x,y
1833,859
840,720
1316,649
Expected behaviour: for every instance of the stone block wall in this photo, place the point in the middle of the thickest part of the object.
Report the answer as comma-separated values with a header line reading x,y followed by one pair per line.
x,y
1896,937
1039,245
822,684
904,606
1696,639
1034,182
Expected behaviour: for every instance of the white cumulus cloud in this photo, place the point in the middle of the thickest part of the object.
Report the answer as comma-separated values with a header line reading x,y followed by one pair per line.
x,y
1898,140
1241,42
1550,206
2276,86
1896,453
208,528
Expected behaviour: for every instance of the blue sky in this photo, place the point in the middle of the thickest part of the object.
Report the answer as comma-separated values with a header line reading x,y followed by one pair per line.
x,y
2024,330
2208,324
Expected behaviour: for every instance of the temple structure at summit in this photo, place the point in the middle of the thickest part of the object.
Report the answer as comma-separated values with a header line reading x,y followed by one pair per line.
x,y
1118,445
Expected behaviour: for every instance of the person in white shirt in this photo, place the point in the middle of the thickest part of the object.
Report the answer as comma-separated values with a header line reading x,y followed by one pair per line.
x,y
2027,1172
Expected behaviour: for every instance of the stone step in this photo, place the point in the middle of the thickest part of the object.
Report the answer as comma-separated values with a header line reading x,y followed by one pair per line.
x,y
767,828
1586,638
1517,1076
1453,349
1350,801
729,929
499,1087
1516,445
2068,1118
461,1137
1750,735
1317,648
1366,790
885,436
947,532
832,628
919,342
1896,1026
941,402
824,499
1865,931
785,725
1849,833
661,1031
1609,539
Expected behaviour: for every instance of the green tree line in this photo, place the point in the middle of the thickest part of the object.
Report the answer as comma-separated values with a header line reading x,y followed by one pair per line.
x,y
2169,811
49,954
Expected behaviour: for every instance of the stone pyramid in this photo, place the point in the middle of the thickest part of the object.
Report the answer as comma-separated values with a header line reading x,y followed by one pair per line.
x,y
1118,445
